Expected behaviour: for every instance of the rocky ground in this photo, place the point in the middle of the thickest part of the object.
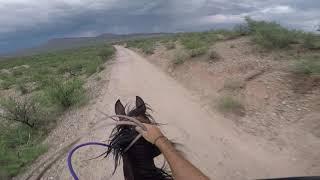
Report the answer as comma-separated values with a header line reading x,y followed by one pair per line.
x,y
279,107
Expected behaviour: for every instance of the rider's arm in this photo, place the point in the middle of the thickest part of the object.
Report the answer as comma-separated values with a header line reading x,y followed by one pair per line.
x,y
181,168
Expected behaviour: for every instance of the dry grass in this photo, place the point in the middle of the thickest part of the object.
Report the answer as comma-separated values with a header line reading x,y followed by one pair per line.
x,y
180,57
229,104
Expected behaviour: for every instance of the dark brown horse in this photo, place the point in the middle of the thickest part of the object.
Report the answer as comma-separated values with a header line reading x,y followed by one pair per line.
x,y
138,161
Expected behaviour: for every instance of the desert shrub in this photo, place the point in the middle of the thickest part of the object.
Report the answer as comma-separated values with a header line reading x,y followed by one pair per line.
x,y
170,45
6,81
25,122
241,29
5,84
146,45
26,111
311,41
101,68
22,88
193,42
230,104
213,55
307,66
98,78
107,52
270,34
17,73
148,49
19,146
93,67
42,67
198,52
180,57
67,93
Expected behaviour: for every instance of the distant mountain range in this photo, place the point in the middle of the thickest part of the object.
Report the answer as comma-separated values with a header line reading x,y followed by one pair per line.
x,y
74,42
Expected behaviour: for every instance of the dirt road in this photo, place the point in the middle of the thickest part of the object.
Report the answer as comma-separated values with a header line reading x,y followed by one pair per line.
x,y
210,142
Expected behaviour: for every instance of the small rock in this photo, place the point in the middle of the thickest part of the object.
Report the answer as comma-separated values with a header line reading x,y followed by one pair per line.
x,y
299,109
266,97
284,102
50,178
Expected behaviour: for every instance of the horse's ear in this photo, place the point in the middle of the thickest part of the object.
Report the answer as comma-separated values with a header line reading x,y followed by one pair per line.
x,y
119,108
140,105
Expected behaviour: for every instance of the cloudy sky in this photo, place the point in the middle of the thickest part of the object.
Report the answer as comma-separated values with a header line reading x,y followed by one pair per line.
x,y
26,23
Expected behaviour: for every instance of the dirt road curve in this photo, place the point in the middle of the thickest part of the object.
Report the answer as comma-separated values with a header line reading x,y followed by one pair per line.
x,y
211,143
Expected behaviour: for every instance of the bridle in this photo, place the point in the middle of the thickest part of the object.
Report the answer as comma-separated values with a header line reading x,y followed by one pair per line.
x,y
122,121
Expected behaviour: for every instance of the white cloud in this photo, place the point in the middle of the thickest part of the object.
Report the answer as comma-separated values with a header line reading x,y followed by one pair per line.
x,y
278,10
221,18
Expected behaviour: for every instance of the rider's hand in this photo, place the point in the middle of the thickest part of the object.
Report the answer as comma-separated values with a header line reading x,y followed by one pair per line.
x,y
151,134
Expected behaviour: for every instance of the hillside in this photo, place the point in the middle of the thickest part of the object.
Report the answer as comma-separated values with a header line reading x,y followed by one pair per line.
x,y
76,42
263,78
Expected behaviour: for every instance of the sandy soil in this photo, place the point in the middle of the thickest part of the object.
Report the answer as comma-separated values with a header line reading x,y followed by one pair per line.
x,y
211,142
281,111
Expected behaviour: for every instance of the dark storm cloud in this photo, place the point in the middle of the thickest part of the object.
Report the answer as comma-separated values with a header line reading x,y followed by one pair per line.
x,y
25,23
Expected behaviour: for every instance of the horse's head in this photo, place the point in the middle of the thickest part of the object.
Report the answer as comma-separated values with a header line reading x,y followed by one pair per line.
x,y
138,160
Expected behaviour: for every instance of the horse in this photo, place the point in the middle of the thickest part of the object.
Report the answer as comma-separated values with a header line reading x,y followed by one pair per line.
x,y
138,161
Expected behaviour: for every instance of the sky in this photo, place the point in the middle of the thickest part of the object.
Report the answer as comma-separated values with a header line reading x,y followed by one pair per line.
x,y
27,23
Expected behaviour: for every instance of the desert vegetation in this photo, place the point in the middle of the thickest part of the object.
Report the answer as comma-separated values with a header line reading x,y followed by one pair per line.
x,y
40,87
299,49
230,104
308,66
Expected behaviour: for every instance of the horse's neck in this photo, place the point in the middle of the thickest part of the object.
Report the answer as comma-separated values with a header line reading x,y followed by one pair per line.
x,y
136,169
128,170
138,162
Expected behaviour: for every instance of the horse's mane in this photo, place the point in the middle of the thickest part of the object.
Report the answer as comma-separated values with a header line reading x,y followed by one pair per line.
x,y
122,136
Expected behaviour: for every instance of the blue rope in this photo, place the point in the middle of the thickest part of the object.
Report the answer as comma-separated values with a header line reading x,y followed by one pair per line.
x,y
69,159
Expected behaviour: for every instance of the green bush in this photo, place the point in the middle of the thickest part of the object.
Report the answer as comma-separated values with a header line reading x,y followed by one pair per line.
x,y
148,49
19,146
6,84
193,43
6,81
146,45
198,52
25,111
43,67
67,93
25,122
213,55
311,41
230,104
308,66
270,34
107,52
180,57
22,88
170,45
241,29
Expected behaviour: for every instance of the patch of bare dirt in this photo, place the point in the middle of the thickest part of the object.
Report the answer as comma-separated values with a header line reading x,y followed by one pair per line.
x,y
281,110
